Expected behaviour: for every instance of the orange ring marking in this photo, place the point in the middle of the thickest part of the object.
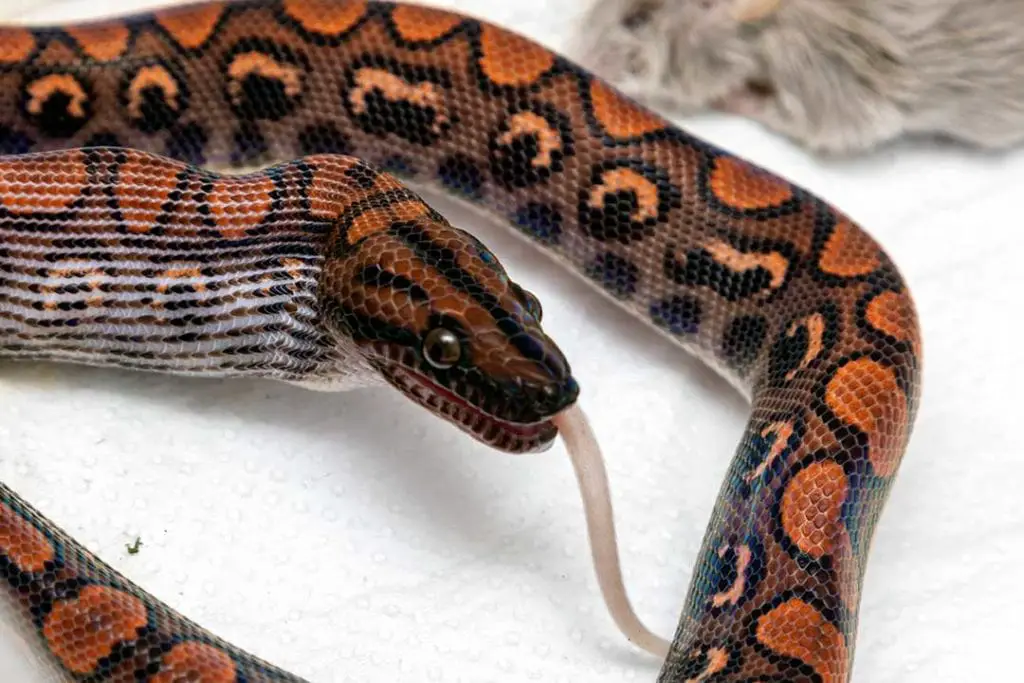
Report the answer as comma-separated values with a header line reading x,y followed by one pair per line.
x,y
742,186
733,594
83,630
23,544
142,191
549,140
618,179
330,191
796,629
102,42
241,205
865,394
43,88
811,508
147,77
191,26
15,44
326,17
29,185
892,313
783,432
247,64
196,663
379,220
509,59
422,94
717,659
619,117
415,23
815,324
849,252
741,261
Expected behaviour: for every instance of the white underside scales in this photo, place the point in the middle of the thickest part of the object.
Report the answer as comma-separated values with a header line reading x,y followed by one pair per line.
x,y
171,331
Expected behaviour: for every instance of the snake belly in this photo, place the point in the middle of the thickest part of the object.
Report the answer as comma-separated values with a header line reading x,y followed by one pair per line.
x,y
778,290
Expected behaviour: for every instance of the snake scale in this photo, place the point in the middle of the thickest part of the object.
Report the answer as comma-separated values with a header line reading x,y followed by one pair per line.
x,y
134,232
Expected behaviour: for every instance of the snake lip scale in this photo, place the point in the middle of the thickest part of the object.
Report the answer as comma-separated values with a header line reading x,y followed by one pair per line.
x,y
498,433
129,238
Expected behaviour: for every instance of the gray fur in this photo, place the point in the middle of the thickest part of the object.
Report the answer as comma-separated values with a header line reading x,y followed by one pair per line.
x,y
837,76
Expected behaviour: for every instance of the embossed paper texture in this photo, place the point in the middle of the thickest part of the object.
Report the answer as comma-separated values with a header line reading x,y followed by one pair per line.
x,y
355,537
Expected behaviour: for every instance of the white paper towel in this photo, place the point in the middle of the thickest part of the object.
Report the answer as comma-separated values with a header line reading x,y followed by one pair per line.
x,y
354,537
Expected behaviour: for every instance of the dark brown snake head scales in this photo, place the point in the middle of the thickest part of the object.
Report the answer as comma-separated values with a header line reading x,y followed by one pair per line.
x,y
433,310
121,246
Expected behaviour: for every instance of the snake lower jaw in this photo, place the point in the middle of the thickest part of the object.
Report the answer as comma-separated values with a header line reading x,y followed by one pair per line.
x,y
500,434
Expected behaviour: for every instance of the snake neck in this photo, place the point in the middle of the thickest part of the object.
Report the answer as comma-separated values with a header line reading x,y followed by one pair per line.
x,y
94,271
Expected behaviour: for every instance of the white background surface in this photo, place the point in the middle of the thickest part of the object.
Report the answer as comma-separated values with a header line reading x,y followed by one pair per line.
x,y
354,537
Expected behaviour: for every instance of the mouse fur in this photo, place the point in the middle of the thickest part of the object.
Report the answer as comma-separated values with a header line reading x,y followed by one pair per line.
x,y
837,76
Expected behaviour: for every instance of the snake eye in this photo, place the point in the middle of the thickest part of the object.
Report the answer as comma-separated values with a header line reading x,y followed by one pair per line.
x,y
530,301
442,348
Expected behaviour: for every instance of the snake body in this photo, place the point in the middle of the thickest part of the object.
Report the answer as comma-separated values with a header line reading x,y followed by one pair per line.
x,y
119,245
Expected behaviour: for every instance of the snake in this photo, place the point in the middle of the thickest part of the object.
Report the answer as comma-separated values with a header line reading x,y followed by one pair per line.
x,y
235,189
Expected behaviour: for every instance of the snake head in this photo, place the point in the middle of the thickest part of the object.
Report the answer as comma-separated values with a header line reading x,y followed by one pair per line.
x,y
435,314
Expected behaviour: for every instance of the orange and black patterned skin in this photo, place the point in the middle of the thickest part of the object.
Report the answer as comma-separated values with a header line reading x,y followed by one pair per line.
x,y
780,291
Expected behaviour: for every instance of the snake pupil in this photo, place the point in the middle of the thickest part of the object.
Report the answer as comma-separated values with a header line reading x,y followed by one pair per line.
x,y
442,348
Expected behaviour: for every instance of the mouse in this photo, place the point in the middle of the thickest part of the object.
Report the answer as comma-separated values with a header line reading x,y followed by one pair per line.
x,y
835,76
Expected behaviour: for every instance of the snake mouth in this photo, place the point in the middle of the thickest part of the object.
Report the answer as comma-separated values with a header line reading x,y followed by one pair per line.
x,y
503,435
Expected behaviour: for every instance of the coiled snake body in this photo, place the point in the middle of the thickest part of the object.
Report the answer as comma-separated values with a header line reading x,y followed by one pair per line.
x,y
119,247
